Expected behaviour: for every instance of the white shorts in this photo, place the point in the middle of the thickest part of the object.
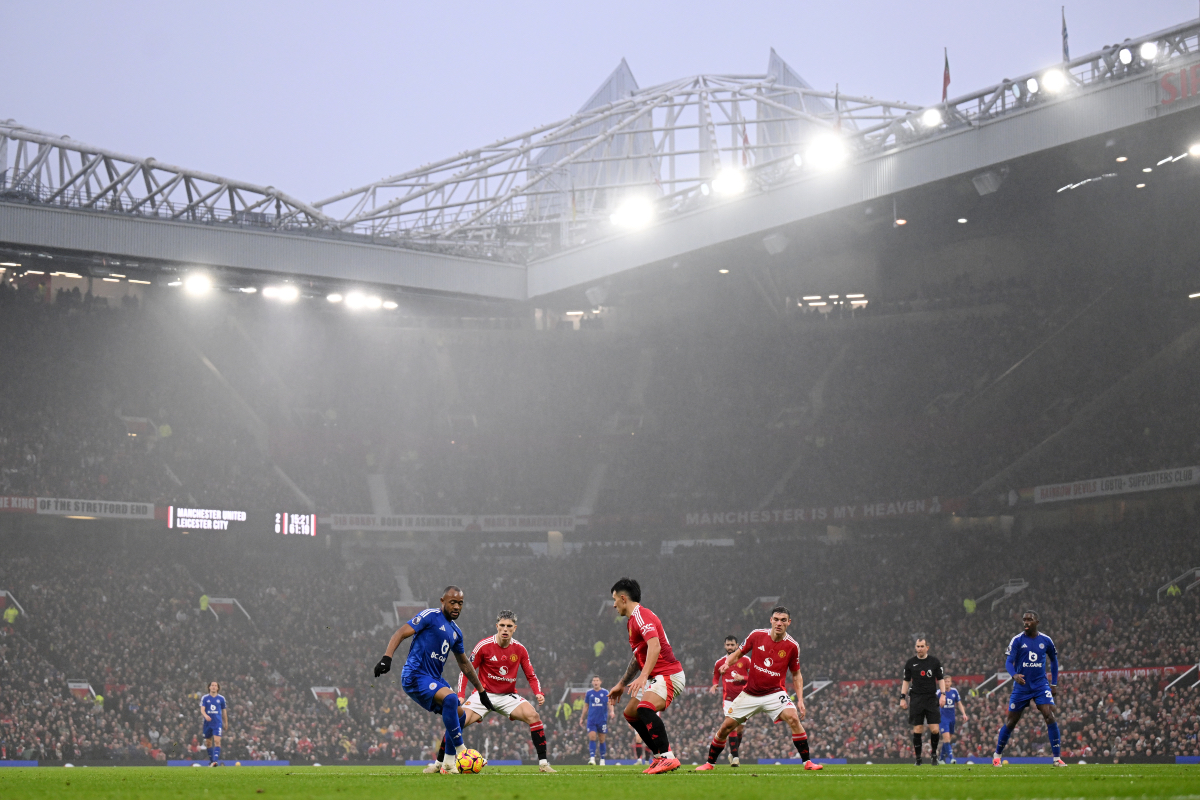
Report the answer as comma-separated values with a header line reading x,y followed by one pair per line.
x,y
746,706
668,687
726,705
505,704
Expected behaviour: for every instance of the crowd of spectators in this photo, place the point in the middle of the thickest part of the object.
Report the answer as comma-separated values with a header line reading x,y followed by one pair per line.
x,y
126,619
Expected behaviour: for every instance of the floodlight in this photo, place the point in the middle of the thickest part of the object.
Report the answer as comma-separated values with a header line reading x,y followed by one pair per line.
x,y
287,294
827,152
723,271
1122,159
1148,51
334,298
1054,80
1032,85
197,284
355,300
635,212
704,190
962,220
372,303
932,118
248,289
729,181
1195,149
390,305
1141,186
1125,56
797,160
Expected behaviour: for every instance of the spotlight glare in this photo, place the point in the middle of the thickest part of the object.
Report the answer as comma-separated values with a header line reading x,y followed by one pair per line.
x,y
723,271
635,212
334,298
827,152
1195,149
287,294
704,190
249,289
1148,169
372,303
1148,51
962,220
355,300
729,181
901,222
797,160
1032,85
1141,186
932,118
197,284
1121,159
1054,81
1125,56
390,305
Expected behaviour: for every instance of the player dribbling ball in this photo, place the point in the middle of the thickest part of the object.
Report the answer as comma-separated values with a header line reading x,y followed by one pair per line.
x,y
471,762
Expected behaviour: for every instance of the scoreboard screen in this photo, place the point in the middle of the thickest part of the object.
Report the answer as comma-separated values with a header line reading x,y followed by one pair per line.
x,y
211,519
295,524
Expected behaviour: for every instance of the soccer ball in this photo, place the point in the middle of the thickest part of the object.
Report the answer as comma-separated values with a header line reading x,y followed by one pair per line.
x,y
471,762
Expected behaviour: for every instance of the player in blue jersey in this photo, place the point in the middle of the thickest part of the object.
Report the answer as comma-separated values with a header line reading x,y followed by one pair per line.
x,y
596,720
1028,656
952,711
212,708
435,637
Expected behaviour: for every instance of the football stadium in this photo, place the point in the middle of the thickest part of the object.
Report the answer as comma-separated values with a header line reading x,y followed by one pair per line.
x,y
730,424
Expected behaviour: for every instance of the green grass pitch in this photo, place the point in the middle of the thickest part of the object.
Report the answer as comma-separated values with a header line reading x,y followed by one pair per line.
x,y
619,783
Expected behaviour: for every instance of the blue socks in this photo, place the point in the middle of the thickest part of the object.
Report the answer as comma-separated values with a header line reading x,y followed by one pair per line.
x,y
592,748
947,751
454,737
214,753
1055,741
1002,740
603,749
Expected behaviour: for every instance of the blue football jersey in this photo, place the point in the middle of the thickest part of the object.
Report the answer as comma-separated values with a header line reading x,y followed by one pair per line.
x,y
952,701
597,705
436,638
1031,656
213,706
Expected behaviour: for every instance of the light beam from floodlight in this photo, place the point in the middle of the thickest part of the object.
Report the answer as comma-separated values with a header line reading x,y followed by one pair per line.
x,y
197,284
334,298
931,118
635,212
827,152
355,300
729,181
1054,81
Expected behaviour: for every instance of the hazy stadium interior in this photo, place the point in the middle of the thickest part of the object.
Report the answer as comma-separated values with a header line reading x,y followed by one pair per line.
x,y
902,391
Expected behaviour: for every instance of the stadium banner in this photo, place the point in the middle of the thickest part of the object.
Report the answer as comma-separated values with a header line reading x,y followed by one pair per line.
x,y
858,512
18,505
1117,484
407,609
1129,672
453,523
81,689
100,509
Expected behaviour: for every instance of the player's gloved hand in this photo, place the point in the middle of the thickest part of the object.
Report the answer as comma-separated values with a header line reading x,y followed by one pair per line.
x,y
384,665
487,701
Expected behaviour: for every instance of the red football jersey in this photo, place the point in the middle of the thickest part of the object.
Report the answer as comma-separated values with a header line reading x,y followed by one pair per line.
x,y
497,667
770,661
734,678
643,626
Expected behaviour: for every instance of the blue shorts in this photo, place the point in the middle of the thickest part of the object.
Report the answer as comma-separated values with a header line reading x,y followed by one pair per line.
x,y
422,688
1039,694
212,729
947,725
597,727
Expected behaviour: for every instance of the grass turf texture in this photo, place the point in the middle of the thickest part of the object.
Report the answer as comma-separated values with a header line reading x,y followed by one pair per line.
x,y
619,783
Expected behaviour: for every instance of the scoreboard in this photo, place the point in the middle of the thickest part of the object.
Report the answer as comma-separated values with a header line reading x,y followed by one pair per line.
x,y
290,524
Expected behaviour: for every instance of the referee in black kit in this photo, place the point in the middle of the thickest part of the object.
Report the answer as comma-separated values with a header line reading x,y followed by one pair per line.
x,y
924,681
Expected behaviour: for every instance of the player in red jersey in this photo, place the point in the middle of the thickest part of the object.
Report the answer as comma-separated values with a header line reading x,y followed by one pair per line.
x,y
730,682
659,676
497,659
772,653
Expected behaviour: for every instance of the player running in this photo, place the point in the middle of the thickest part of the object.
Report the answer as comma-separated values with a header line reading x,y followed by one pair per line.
x,y
435,636
496,660
212,708
658,682
1027,656
596,720
772,653
950,712
731,682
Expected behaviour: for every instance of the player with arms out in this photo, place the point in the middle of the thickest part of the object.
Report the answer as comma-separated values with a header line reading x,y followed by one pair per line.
x,y
730,683
212,708
772,653
496,660
951,711
1026,660
435,636
596,720
659,677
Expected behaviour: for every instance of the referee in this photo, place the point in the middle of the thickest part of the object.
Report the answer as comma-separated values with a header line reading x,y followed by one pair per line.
x,y
924,681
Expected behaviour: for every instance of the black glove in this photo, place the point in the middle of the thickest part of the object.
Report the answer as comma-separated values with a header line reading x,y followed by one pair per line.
x,y
384,665
487,701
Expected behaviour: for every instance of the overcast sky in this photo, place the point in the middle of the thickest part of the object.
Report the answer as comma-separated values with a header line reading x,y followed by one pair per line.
x,y
315,98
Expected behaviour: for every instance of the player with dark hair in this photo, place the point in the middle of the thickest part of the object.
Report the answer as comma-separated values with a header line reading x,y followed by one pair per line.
x,y
923,673
730,683
1026,660
659,677
952,709
497,659
596,720
435,636
772,653
212,708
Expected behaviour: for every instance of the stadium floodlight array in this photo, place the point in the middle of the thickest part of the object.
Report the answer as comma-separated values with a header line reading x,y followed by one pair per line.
x,y
631,156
